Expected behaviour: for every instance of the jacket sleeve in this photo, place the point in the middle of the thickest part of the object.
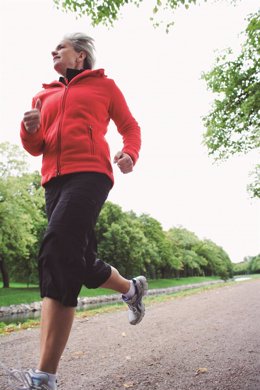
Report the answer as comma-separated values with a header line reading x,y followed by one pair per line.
x,y
32,143
126,124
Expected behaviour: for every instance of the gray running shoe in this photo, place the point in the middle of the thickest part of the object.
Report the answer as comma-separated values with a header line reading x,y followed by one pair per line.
x,y
29,380
136,308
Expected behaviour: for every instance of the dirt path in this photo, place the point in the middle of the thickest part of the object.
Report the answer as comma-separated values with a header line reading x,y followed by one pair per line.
x,y
206,341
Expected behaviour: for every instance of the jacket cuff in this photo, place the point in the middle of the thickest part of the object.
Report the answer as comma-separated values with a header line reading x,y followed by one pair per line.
x,y
33,143
26,136
134,156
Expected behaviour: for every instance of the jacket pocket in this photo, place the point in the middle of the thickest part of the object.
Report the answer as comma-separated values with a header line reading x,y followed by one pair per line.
x,y
91,139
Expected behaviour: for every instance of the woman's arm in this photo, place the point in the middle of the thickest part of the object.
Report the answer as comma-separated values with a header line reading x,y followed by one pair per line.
x,y
126,124
31,132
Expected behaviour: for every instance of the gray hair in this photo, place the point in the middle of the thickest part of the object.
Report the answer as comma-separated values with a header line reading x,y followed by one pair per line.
x,y
82,42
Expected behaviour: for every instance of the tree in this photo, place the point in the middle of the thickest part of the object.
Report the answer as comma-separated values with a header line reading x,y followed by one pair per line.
x,y
22,222
183,243
108,11
12,160
22,218
120,240
254,265
233,125
161,262
124,246
110,213
218,261
242,267
254,187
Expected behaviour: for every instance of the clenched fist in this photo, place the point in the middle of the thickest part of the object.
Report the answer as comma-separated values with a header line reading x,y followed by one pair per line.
x,y
32,118
124,162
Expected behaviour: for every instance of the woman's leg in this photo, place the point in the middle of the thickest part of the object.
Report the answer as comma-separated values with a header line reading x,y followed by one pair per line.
x,y
73,204
56,323
117,282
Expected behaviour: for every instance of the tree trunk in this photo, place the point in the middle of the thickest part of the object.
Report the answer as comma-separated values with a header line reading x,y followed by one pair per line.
x,y
4,273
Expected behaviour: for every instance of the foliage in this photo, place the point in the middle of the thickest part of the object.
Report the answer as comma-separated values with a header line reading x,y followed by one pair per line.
x,y
250,265
233,125
106,12
254,187
218,261
12,160
21,216
183,242
123,243
241,268
254,265
162,261
138,244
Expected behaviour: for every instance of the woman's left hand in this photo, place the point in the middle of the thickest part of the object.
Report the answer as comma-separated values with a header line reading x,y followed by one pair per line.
x,y
124,162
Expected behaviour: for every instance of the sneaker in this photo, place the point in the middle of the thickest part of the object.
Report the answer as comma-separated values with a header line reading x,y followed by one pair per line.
x,y
136,309
29,380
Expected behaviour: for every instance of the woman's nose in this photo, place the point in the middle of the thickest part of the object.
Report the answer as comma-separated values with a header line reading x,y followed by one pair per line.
x,y
54,53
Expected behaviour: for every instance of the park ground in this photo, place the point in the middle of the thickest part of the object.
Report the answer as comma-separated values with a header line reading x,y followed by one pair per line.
x,y
205,341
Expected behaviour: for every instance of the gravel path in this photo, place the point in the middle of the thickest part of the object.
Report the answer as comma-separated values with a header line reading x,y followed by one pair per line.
x,y
205,341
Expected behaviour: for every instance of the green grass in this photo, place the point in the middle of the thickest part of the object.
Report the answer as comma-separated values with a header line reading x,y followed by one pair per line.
x,y
6,328
22,285
164,283
19,293
112,307
108,308
15,296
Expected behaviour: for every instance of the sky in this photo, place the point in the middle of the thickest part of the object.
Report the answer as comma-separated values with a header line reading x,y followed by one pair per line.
x,y
174,180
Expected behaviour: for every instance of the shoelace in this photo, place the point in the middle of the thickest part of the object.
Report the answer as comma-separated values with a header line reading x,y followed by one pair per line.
x,y
14,376
27,381
22,378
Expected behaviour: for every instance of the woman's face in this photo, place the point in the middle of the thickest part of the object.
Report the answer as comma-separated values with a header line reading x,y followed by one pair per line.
x,y
64,56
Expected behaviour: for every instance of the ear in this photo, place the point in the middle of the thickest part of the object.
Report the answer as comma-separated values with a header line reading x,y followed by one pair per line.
x,y
82,55
80,59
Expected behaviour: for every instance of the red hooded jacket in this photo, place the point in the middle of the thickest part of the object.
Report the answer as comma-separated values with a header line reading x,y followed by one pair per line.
x,y
74,121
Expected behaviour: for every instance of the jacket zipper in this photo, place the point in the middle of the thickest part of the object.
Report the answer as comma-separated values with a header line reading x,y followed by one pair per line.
x,y
90,131
58,171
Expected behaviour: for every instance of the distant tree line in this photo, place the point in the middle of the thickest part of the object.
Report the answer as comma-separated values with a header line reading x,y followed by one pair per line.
x,y
134,244
250,265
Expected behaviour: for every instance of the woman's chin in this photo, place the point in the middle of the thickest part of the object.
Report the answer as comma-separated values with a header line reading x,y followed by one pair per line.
x,y
60,68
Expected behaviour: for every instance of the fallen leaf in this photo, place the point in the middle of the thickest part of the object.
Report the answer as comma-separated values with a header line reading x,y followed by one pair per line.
x,y
128,385
201,370
77,354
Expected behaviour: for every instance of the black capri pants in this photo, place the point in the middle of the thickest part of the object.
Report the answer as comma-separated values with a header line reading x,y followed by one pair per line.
x,y
68,254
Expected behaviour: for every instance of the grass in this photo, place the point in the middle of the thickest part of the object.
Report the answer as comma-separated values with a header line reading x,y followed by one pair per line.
x,y
164,283
149,300
108,308
111,308
19,293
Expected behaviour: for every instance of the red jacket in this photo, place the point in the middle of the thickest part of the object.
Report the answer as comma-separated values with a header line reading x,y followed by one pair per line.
x,y
74,121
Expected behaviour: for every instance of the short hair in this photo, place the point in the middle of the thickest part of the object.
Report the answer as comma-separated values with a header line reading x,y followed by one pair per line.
x,y
82,42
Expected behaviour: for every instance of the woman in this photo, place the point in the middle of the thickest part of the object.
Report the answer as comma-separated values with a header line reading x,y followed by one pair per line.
x,y
67,126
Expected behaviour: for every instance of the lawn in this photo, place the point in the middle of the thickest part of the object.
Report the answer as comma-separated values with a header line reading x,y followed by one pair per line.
x,y
20,293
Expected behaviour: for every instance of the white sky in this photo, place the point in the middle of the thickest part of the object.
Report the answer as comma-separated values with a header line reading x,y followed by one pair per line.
x,y
174,181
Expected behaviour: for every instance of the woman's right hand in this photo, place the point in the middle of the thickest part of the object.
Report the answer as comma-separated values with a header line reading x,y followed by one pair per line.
x,y
32,118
